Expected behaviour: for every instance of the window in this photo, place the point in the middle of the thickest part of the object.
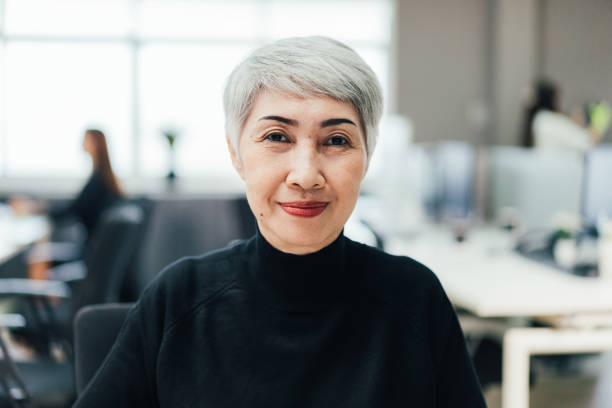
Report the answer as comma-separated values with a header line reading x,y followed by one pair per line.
x,y
137,67
180,88
56,90
78,18
213,20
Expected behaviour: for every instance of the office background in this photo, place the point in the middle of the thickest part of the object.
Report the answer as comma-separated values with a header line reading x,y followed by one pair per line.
x,y
457,70
451,71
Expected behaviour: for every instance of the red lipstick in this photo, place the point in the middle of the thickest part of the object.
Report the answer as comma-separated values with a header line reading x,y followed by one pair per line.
x,y
304,208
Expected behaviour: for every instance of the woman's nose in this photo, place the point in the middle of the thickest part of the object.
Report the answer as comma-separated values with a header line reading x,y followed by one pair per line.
x,y
305,170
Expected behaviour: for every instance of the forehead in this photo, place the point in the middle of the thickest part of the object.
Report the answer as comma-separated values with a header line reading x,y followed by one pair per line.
x,y
317,107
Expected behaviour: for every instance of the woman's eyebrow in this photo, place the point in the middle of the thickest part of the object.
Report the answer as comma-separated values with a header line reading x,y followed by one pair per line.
x,y
336,121
287,121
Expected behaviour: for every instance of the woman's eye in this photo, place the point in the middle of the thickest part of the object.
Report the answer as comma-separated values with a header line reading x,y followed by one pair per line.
x,y
277,137
337,141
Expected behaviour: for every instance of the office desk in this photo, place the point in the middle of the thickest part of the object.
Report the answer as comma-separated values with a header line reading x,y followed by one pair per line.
x,y
18,232
486,277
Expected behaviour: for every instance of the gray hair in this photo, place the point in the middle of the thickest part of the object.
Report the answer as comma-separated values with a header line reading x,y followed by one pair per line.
x,y
306,67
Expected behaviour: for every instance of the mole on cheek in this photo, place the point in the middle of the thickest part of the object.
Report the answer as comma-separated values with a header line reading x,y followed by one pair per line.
x,y
261,214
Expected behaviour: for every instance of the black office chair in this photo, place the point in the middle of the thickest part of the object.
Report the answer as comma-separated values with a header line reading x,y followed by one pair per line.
x,y
49,327
98,278
95,329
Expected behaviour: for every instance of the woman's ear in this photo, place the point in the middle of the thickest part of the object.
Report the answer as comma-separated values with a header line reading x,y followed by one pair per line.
x,y
235,158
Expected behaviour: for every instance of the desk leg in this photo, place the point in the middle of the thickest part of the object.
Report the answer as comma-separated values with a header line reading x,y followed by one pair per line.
x,y
515,371
521,343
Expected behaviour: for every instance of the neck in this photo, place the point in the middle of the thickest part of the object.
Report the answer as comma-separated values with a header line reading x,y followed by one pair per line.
x,y
291,282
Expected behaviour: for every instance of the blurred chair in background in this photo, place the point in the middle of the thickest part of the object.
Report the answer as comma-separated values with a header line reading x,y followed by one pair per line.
x,y
97,279
95,329
186,226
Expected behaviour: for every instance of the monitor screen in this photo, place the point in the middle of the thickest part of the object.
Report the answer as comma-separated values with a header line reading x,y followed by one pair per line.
x,y
597,185
455,167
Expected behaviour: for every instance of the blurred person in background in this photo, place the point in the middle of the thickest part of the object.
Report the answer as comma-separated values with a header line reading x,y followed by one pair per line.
x,y
546,127
542,95
100,192
298,315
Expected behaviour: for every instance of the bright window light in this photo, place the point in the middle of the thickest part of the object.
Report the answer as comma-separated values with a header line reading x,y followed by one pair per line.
x,y
54,92
343,20
191,19
67,17
378,60
181,87
137,67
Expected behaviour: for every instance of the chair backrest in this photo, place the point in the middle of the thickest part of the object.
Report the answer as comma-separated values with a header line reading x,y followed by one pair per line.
x,y
134,283
190,226
109,254
95,329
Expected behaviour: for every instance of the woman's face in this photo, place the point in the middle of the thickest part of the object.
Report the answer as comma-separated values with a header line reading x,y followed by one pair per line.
x,y
302,161
88,144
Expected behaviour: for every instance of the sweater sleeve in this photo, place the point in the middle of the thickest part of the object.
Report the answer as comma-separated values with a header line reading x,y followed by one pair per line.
x,y
457,383
127,375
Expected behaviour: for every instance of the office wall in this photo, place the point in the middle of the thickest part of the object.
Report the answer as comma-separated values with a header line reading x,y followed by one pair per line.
x,y
462,67
441,67
566,40
577,43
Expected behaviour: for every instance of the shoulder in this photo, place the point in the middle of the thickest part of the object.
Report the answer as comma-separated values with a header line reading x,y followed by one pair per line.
x,y
397,282
402,288
555,122
391,274
191,282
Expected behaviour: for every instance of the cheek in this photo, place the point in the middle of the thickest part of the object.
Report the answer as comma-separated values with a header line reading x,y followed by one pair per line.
x,y
348,179
263,178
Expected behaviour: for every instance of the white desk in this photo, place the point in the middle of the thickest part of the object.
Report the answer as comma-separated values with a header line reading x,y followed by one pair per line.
x,y
18,232
484,276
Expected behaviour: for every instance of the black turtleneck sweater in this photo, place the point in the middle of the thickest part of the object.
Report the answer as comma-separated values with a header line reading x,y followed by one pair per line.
x,y
250,326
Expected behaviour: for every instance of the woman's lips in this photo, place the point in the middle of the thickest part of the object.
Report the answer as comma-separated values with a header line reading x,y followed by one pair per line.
x,y
304,208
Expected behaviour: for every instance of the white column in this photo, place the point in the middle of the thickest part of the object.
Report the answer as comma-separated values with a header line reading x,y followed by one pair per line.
x,y
515,64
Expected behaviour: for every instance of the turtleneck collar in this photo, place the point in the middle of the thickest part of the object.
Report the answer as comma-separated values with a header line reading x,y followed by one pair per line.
x,y
300,282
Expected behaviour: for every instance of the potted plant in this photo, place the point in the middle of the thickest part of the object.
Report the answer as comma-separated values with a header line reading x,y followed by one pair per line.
x,y
171,135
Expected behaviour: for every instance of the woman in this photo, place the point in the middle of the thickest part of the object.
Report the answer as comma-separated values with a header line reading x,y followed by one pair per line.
x,y
100,191
543,95
298,315
546,127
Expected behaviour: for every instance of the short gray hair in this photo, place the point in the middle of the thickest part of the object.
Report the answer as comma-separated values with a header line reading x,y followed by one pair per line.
x,y
306,67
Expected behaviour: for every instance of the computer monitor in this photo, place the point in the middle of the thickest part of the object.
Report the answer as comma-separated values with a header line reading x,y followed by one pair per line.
x,y
455,167
597,186
535,184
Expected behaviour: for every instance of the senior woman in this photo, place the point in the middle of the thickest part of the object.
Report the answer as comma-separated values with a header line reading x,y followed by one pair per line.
x,y
299,315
